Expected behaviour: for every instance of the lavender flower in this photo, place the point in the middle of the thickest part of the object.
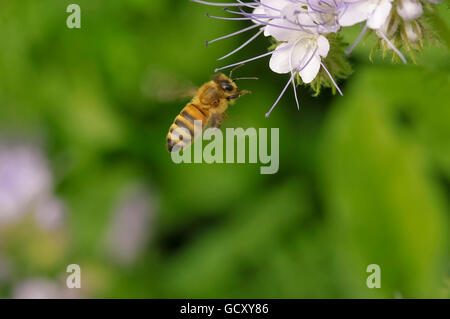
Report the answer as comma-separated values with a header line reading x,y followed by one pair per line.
x,y
24,178
41,288
26,186
50,213
130,226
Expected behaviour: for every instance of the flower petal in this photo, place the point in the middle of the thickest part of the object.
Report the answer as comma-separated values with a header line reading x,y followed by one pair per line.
x,y
309,73
274,7
279,61
356,12
281,30
323,46
259,11
380,15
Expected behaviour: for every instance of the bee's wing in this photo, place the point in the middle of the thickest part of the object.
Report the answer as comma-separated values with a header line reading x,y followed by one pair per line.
x,y
163,86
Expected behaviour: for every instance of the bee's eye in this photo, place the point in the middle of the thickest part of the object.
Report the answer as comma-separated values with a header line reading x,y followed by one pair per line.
x,y
226,86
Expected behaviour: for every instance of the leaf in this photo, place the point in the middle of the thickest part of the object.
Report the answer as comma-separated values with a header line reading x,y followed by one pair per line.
x,y
384,203
217,262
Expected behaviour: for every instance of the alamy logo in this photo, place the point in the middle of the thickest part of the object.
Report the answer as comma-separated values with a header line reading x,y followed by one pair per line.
x,y
74,19
374,279
214,152
74,279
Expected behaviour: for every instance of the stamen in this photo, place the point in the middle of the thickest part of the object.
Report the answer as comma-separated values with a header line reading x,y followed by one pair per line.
x,y
281,95
245,61
353,46
251,15
233,34
255,17
267,6
224,4
252,59
293,74
226,18
247,4
242,45
293,80
332,80
302,26
393,47
295,94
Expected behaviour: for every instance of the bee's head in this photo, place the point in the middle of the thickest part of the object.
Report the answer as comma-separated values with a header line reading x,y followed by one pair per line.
x,y
228,87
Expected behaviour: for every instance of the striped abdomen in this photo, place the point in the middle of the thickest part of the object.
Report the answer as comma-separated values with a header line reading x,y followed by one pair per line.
x,y
186,120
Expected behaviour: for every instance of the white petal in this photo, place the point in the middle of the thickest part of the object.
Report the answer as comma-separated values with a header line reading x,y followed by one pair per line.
x,y
279,61
323,46
281,30
289,57
301,53
274,7
299,17
356,12
309,73
259,11
380,15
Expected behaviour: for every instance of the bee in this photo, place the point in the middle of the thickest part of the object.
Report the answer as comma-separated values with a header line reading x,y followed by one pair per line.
x,y
208,106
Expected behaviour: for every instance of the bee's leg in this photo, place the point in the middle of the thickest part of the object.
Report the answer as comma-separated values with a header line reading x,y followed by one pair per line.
x,y
216,120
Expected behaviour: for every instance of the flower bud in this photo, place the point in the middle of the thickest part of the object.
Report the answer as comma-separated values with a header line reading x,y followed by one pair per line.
x,y
409,9
413,32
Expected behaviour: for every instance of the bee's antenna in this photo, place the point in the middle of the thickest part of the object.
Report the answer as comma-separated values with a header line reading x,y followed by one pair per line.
x,y
235,68
246,78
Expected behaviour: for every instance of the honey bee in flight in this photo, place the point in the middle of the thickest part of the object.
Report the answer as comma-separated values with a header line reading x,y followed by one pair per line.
x,y
208,106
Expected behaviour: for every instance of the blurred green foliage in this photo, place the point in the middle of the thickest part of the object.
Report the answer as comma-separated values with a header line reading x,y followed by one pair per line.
x,y
363,178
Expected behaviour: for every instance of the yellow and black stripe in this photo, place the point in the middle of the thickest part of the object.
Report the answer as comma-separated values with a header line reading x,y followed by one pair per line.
x,y
185,121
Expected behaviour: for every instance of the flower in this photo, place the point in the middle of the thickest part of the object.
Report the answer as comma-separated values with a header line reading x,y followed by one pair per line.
x,y
376,13
131,224
26,186
50,213
302,56
302,48
43,288
305,37
24,178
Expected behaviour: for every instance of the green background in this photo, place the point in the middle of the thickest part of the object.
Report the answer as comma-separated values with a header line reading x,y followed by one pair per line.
x,y
363,179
